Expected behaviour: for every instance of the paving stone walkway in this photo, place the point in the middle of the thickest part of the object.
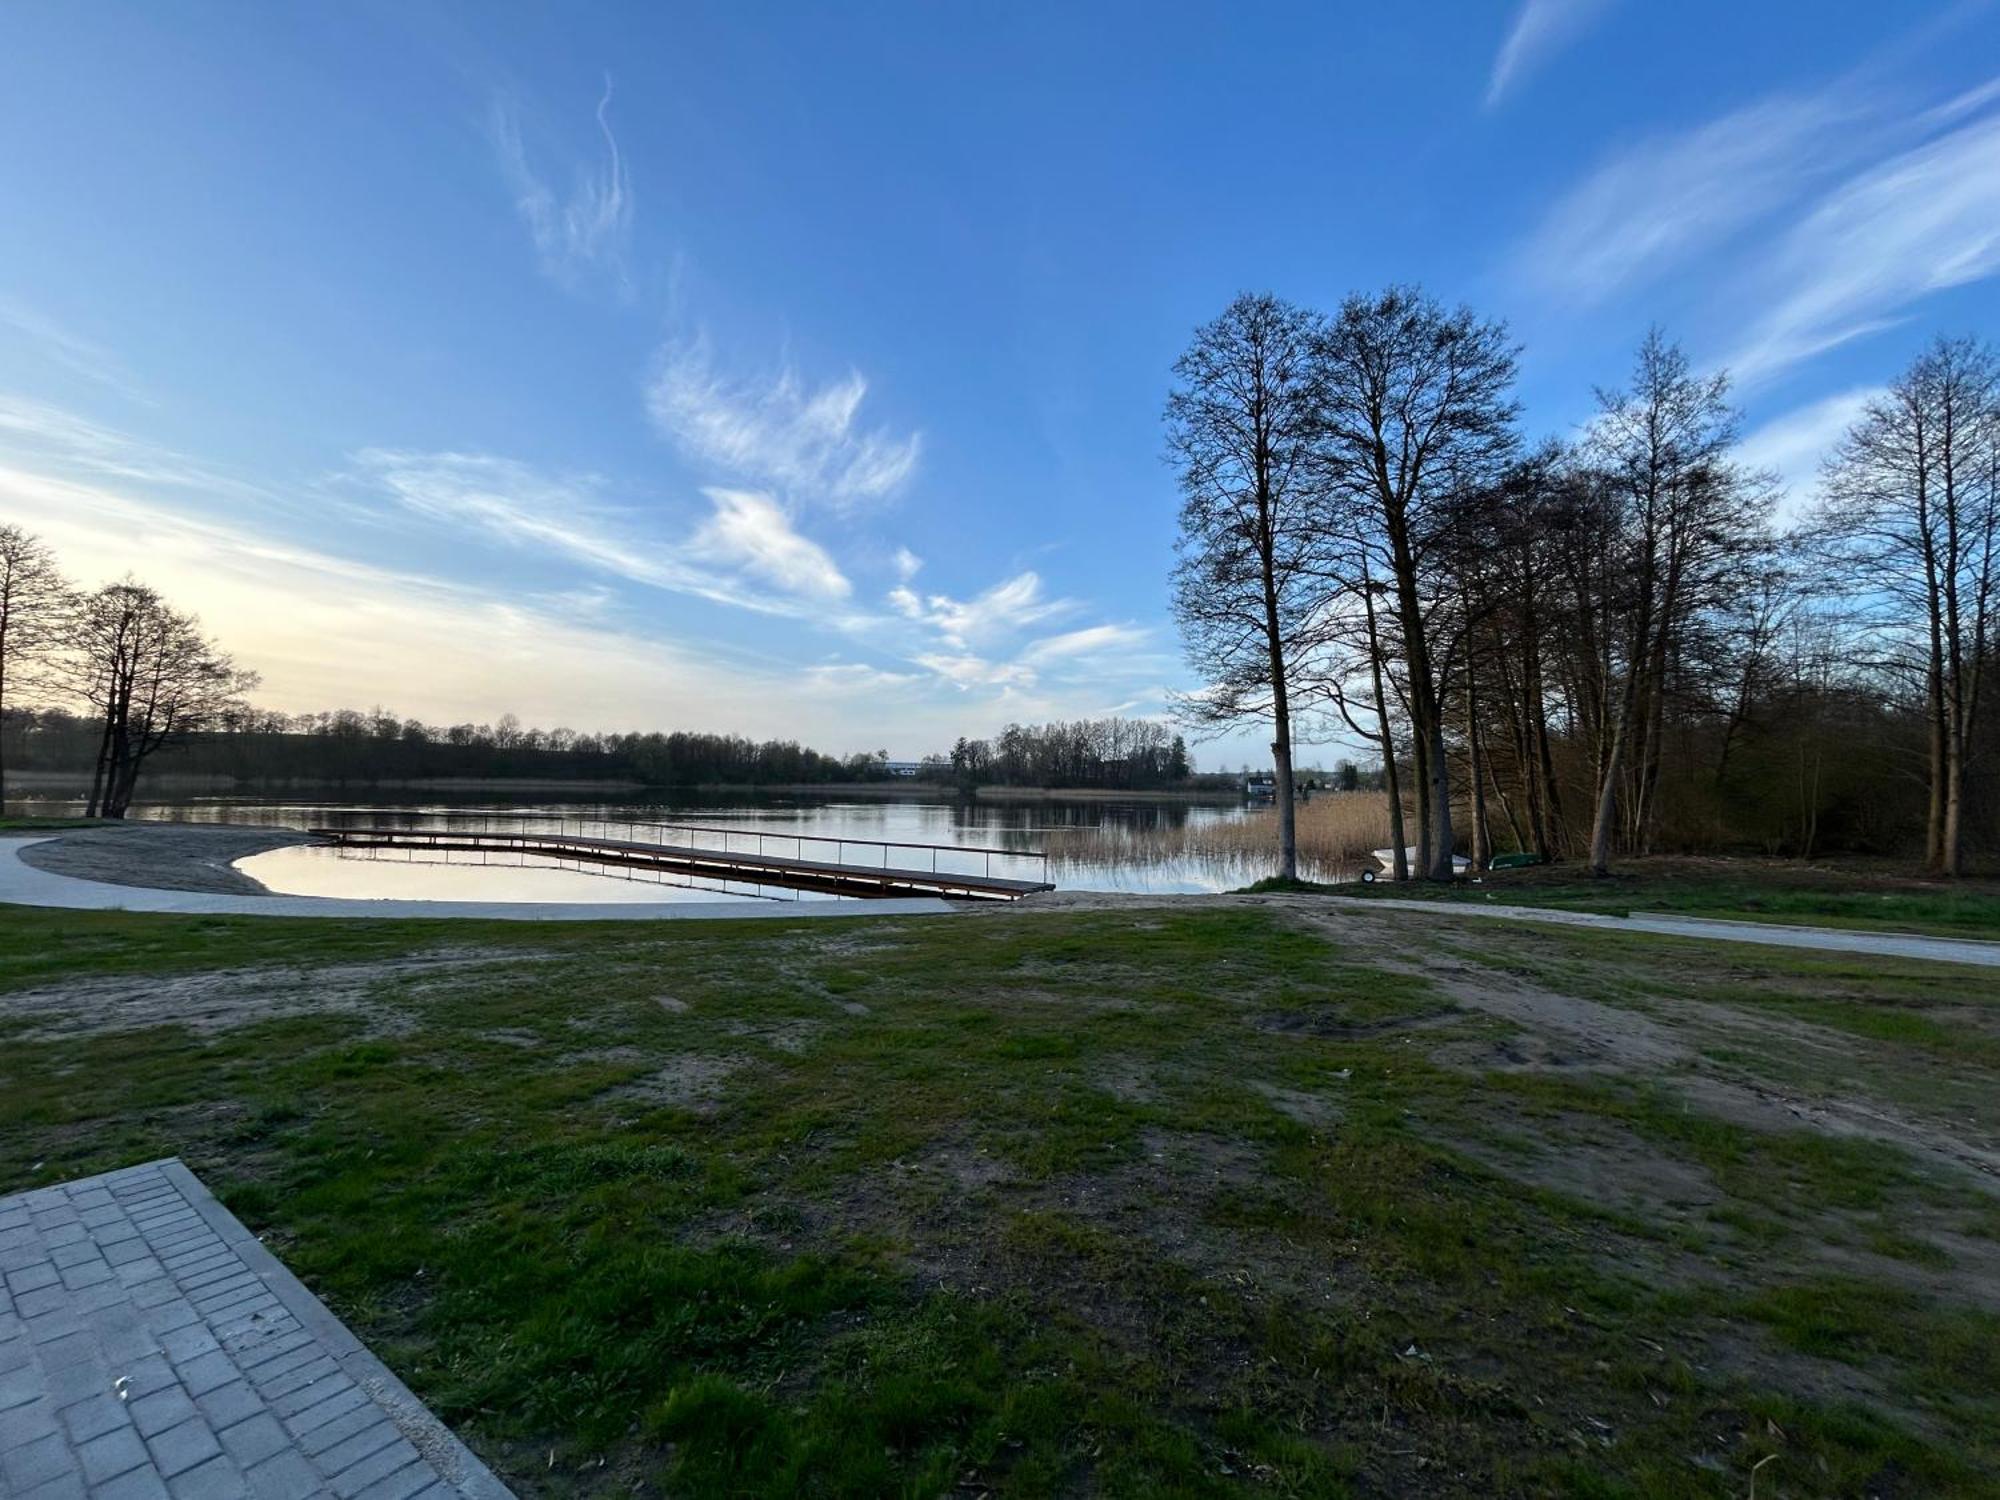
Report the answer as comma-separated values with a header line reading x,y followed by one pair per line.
x,y
152,1349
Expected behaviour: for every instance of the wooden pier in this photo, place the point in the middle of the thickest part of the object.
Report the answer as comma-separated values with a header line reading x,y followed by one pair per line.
x,y
789,869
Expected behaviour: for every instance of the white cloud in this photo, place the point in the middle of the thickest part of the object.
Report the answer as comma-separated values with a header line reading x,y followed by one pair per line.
x,y
1091,641
567,516
965,671
1005,608
907,564
779,432
325,630
753,531
1921,222
71,351
1659,202
1793,445
587,229
52,440
1540,29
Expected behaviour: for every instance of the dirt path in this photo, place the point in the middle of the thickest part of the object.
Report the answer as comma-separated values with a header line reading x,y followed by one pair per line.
x,y
1655,924
1596,1035
162,856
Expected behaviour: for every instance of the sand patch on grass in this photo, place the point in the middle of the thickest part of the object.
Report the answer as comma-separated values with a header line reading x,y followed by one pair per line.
x,y
221,999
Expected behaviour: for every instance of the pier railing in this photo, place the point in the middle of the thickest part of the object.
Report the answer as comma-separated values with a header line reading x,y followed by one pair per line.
x,y
834,849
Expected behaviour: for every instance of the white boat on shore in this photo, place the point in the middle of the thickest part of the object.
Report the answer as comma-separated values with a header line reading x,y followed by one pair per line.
x,y
1386,858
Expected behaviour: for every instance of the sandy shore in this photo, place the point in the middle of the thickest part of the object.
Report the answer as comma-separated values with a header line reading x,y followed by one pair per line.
x,y
162,856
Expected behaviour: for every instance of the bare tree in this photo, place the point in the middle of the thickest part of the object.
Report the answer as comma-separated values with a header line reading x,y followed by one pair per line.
x,y
34,600
1686,521
1242,424
1417,410
1912,522
152,677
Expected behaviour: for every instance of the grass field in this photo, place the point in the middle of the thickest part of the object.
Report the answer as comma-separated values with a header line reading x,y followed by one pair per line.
x,y
1857,893
1232,1198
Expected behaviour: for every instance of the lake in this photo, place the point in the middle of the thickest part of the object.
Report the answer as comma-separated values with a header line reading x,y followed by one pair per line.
x,y
1094,843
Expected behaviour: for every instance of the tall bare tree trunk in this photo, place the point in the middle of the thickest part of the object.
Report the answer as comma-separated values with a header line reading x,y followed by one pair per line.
x,y
1399,856
1481,838
1934,827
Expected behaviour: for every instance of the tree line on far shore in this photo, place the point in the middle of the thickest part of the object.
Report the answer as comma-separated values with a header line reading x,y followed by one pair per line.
x,y
1596,646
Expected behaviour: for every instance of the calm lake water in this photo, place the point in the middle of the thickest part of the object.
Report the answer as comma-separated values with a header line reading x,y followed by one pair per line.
x,y
1102,843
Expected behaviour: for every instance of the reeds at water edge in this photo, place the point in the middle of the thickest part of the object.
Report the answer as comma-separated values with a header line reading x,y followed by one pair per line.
x,y
1337,831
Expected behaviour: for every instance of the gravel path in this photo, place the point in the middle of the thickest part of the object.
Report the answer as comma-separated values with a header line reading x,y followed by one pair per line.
x,y
162,856
1663,924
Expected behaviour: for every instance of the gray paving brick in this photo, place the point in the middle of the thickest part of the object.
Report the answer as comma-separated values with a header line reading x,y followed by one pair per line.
x,y
228,1403
150,1349
144,1376
285,1476
256,1312
88,1273
47,1298
157,1293
218,1479
32,1462
137,1272
334,1420
113,1454
164,1319
37,1274
93,1417
19,1386
374,1467
187,1341
62,1487
254,1439
277,1371
312,1407
405,1483
123,1248
344,1455
273,1358
205,1372
161,1410
23,1424
140,1484
183,1446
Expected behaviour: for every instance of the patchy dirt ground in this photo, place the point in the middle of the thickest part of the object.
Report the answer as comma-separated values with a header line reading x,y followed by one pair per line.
x,y
210,1002
162,856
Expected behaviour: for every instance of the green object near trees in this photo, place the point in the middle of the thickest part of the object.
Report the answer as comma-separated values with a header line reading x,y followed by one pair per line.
x,y
1513,861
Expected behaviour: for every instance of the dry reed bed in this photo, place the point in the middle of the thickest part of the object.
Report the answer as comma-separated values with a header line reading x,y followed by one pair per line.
x,y
1337,832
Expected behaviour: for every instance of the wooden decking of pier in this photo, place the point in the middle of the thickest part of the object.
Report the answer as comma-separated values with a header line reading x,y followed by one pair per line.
x,y
791,871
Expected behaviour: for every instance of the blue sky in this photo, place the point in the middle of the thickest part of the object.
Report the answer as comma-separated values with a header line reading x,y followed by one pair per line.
x,y
797,369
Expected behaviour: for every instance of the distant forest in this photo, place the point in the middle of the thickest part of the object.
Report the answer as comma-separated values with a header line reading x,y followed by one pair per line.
x,y
349,746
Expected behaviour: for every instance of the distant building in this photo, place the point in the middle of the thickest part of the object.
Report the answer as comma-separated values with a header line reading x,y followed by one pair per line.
x,y
901,767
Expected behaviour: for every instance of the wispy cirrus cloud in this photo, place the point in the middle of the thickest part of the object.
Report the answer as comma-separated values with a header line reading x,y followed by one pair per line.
x,y
70,350
1005,609
1541,29
746,554
1922,221
753,532
1092,640
989,641
1794,445
587,228
808,442
446,650
1655,204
